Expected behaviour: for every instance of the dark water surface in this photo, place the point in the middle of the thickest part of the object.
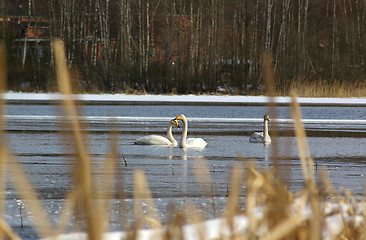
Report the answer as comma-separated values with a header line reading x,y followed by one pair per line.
x,y
337,141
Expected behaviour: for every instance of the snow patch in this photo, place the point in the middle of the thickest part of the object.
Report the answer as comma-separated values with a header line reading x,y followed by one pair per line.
x,y
181,98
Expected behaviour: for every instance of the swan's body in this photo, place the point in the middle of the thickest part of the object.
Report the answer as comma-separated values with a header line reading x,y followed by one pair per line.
x,y
190,142
261,137
159,140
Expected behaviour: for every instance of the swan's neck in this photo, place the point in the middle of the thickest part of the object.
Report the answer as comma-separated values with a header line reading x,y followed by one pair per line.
x,y
170,135
265,131
183,140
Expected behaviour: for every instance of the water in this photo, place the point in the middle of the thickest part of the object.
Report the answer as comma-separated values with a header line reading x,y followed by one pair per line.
x,y
35,134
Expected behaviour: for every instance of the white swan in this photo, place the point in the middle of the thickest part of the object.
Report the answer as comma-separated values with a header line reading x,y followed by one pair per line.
x,y
190,142
261,137
159,140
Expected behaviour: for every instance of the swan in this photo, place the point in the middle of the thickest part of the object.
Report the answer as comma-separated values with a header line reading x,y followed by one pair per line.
x,y
261,137
159,140
190,142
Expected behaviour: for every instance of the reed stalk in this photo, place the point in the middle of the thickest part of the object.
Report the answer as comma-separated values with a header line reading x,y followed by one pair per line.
x,y
307,164
270,80
18,176
142,195
105,188
5,230
202,174
232,205
3,157
255,182
264,189
29,196
82,172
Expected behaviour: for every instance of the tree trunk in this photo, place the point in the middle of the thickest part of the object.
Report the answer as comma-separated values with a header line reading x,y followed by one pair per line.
x,y
334,41
26,32
268,46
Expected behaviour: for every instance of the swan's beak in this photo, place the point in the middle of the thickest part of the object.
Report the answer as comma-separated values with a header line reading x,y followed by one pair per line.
x,y
176,123
177,118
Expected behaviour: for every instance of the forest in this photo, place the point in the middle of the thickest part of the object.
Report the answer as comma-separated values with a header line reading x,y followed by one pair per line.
x,y
184,46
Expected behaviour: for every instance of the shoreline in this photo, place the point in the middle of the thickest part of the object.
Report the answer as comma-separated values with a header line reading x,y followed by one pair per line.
x,y
203,100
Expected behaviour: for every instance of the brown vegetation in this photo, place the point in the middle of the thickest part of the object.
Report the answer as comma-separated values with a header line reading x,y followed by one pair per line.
x,y
191,46
283,211
342,89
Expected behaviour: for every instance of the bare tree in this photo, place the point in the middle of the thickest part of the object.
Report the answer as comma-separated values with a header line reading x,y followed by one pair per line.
x,y
26,33
268,46
334,40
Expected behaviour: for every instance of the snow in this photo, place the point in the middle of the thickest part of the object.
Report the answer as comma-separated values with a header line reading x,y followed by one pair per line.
x,y
129,119
204,99
212,229
337,216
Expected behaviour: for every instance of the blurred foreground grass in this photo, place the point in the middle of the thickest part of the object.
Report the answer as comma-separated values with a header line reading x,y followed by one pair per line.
x,y
271,210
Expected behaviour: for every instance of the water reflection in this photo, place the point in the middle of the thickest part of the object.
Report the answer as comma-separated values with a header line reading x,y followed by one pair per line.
x,y
185,170
171,171
266,153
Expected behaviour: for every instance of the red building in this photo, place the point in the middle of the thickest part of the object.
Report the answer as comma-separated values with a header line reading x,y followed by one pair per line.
x,y
28,33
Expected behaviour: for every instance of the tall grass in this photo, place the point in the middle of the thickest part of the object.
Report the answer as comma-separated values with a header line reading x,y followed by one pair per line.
x,y
282,211
336,88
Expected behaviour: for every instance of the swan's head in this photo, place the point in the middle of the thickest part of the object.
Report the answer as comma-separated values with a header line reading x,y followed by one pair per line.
x,y
180,117
175,122
266,117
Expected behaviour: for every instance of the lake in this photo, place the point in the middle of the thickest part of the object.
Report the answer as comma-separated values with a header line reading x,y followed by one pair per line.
x,y
336,137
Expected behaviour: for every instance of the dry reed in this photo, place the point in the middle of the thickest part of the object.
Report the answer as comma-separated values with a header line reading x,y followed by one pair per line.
x,y
82,171
18,176
280,220
5,230
336,88
3,79
307,164
142,194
